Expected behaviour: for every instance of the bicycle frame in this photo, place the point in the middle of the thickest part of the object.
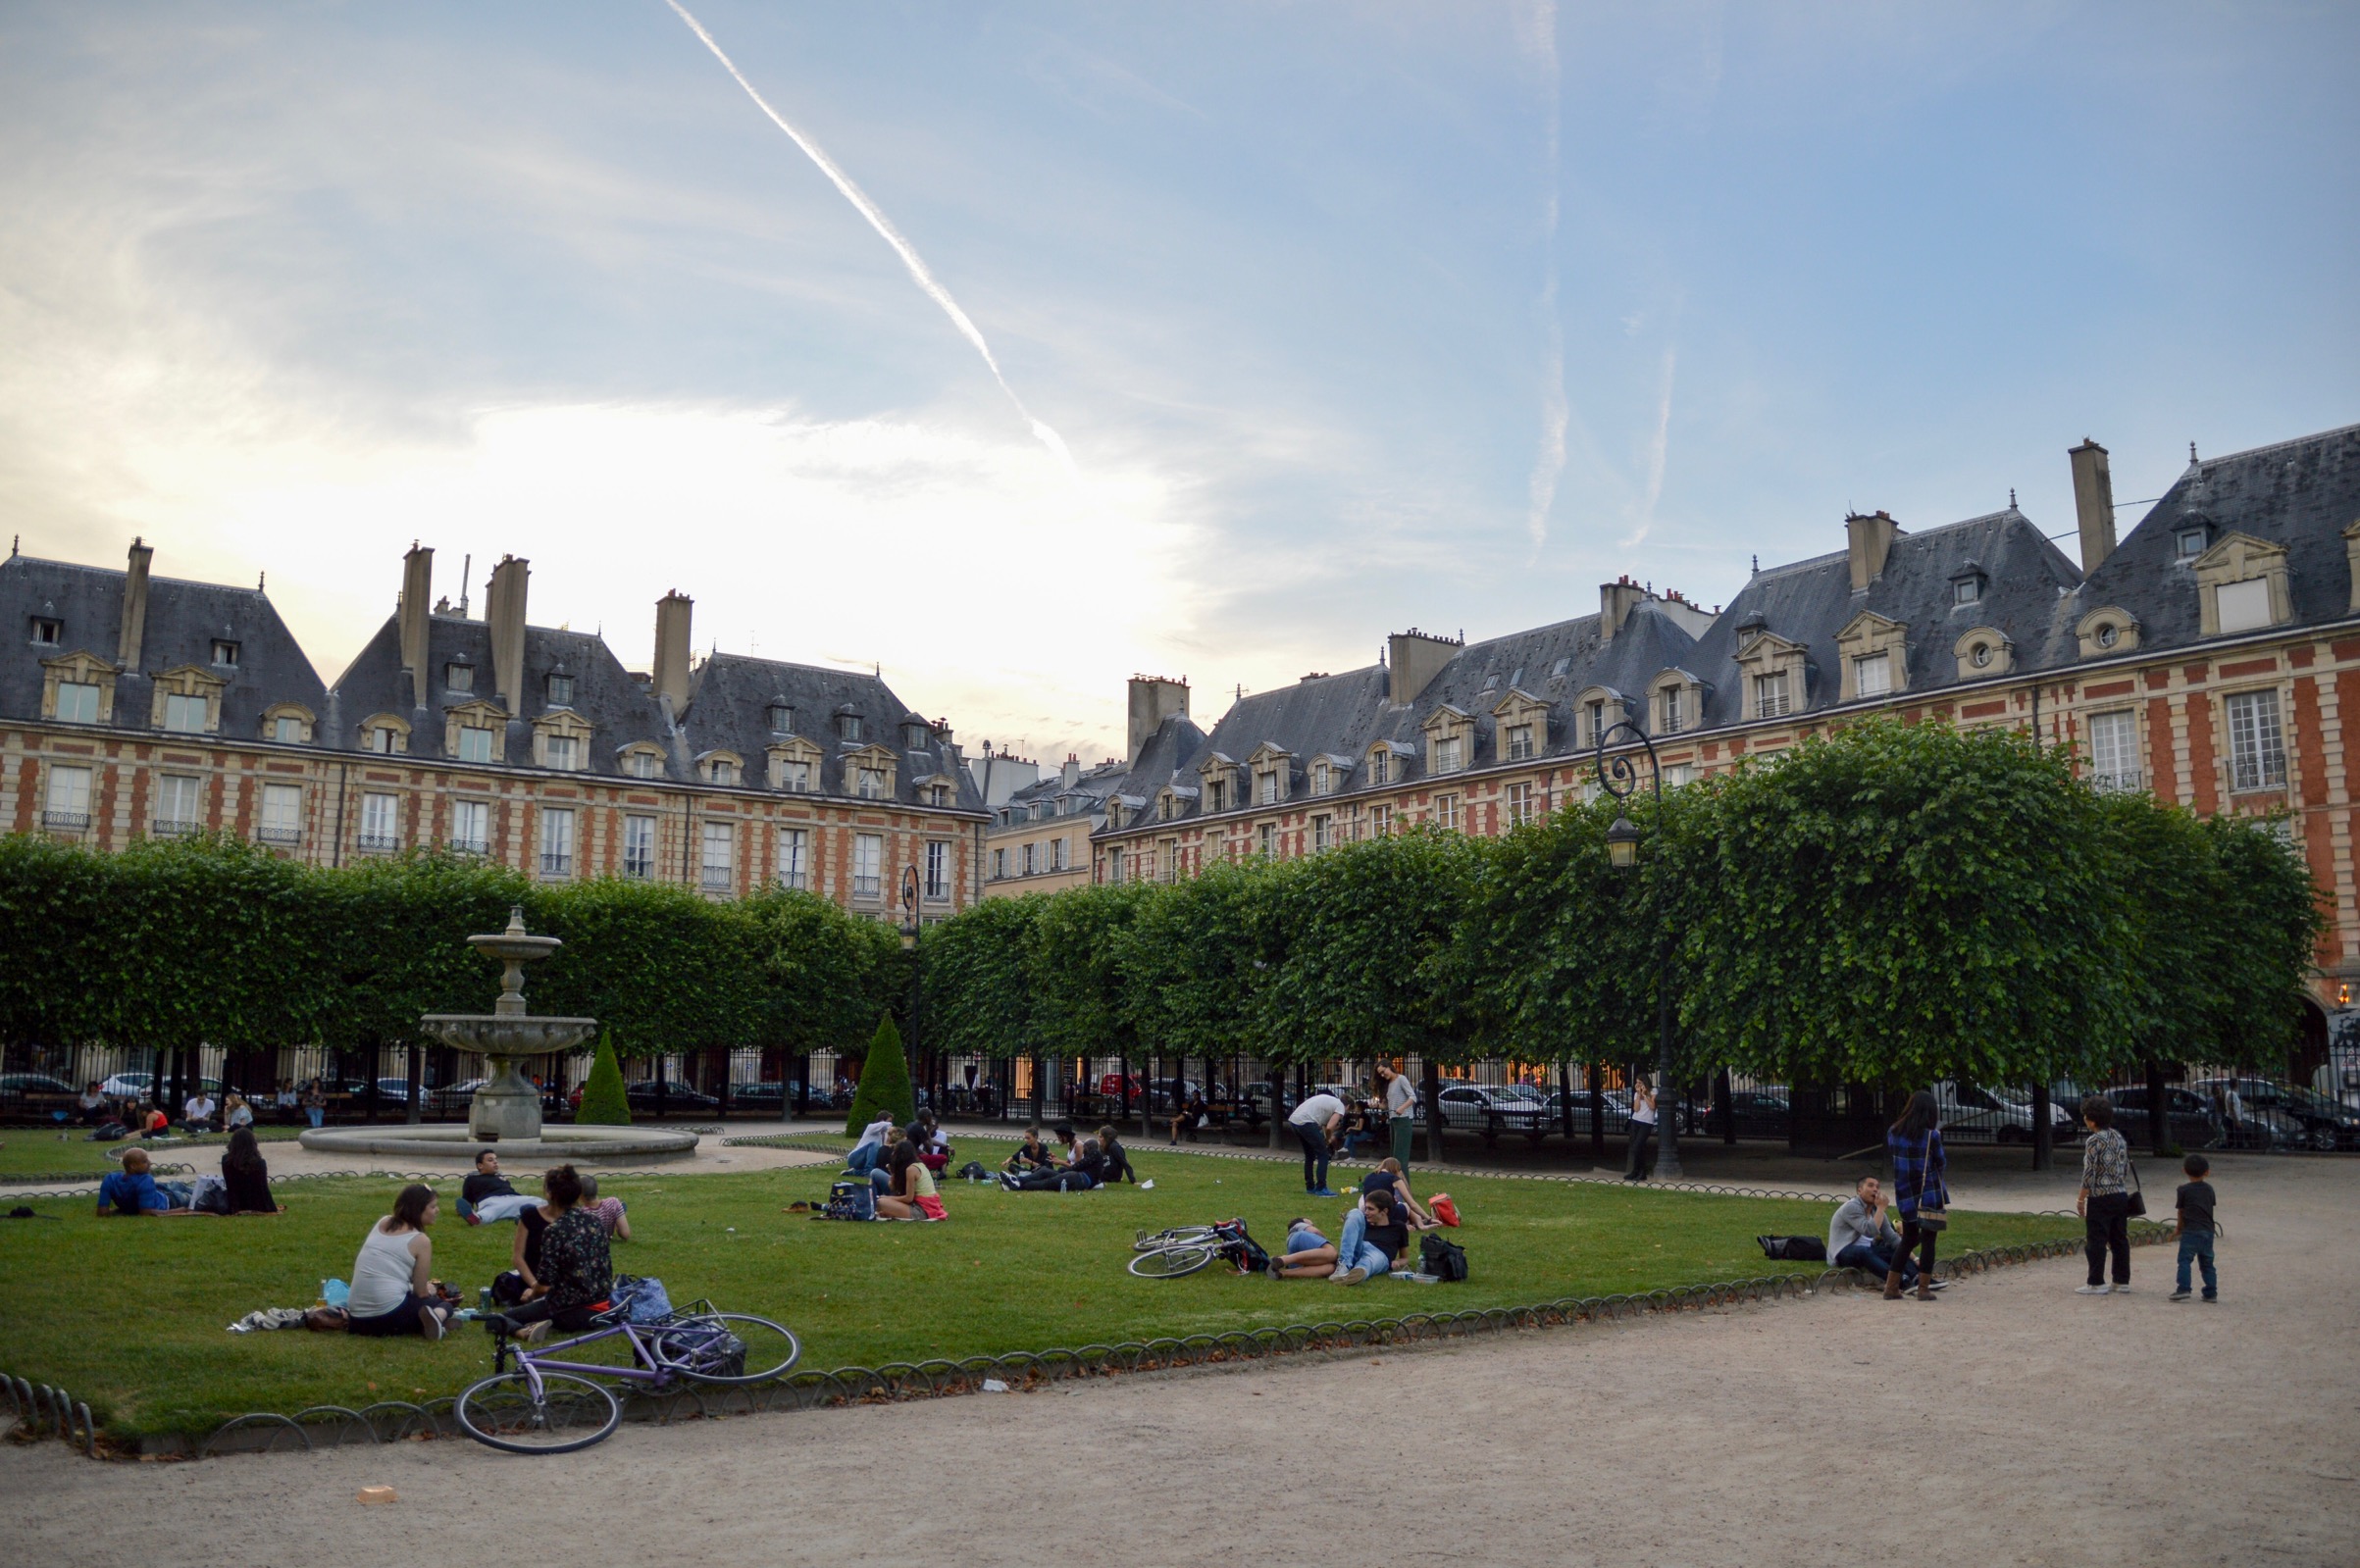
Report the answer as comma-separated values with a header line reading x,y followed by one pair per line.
x,y
533,1362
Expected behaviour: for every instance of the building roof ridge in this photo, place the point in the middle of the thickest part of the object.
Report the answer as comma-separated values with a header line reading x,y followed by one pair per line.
x,y
2204,463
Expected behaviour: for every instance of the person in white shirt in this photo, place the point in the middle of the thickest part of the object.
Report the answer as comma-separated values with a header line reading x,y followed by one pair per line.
x,y
876,1142
1401,1111
1314,1122
198,1112
1642,1131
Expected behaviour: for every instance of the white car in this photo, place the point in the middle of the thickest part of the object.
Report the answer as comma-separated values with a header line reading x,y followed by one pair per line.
x,y
128,1086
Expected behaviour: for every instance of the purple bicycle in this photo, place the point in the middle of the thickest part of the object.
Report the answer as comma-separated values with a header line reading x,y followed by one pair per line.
x,y
547,1403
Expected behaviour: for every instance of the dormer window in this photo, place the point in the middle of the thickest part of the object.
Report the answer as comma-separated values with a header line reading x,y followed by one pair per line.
x,y
1967,591
1214,792
1597,722
1519,743
459,675
913,736
1269,788
184,714
2109,634
1320,779
871,784
721,771
47,633
848,727
287,730
2190,543
1873,675
225,654
643,765
564,753
1448,754
782,718
1380,766
561,689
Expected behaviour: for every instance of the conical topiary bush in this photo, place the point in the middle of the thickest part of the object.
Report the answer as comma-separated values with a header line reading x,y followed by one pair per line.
x,y
603,1102
884,1081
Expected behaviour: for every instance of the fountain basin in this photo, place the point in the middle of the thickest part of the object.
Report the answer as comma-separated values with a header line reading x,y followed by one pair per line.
x,y
508,1106
557,1146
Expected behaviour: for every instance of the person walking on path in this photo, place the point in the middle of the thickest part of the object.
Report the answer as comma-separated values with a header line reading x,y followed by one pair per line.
x,y
1314,1121
2105,1200
2194,1205
1915,1141
1401,1111
1642,1131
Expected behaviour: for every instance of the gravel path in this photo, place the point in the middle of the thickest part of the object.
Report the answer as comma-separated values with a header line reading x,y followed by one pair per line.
x,y
2012,1423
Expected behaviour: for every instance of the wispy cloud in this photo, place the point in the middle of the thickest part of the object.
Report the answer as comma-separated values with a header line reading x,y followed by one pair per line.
x,y
1656,450
1536,38
918,269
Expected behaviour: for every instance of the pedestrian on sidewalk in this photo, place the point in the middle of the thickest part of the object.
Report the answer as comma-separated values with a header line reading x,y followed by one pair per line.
x,y
1915,1141
1642,1131
2195,1202
2105,1200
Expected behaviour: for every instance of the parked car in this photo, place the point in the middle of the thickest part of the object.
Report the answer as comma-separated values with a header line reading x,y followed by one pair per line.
x,y
128,1086
2189,1118
1493,1111
2319,1122
36,1098
679,1099
1758,1113
1973,1114
456,1099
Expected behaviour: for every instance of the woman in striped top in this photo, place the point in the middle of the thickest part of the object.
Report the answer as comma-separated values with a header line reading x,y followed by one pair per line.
x,y
1915,1142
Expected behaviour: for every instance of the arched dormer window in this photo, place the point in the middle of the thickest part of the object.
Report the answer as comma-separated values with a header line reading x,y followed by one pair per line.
x,y
1599,709
1675,702
724,768
1982,652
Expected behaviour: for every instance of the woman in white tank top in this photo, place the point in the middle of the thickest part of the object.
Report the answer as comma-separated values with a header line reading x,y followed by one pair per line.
x,y
393,1278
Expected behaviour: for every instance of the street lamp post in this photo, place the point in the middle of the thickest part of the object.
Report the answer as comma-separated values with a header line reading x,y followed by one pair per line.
x,y
1620,779
918,981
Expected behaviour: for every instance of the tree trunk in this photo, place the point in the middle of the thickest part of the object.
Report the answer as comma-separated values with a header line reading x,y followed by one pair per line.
x,y
2044,1131
1724,1106
1278,1096
1597,1073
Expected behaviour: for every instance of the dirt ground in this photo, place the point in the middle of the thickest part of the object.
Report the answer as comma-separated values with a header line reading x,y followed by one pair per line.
x,y
2012,1423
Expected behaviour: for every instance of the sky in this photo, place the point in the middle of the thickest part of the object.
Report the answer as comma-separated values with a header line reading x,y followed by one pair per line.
x,y
1032,346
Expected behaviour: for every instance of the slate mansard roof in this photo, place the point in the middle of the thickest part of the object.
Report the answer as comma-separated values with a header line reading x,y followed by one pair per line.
x,y
183,619
730,702
2300,494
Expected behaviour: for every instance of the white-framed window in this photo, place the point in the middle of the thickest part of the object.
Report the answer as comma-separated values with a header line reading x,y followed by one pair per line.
x,y
563,751
848,727
184,715
281,813
1873,675
1269,787
868,865
557,841
2114,751
179,803
639,846
2191,544
1031,858
1448,753
471,827
720,856
795,857
1520,804
1519,743
1000,864
380,740
642,765
381,827
1771,697
1057,854
1380,821
287,730
2243,606
1597,721
871,785
1265,838
2257,751
1679,774
1322,832
68,802
1319,784
225,653
1446,813
938,869
77,701
1114,865
1967,591
475,742
1675,721
721,771
47,633
1380,767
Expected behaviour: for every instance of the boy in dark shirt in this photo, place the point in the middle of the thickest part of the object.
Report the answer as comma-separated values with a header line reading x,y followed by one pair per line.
x,y
486,1182
2195,1202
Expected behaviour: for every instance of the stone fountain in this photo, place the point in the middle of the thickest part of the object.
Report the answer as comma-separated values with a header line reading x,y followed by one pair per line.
x,y
506,1113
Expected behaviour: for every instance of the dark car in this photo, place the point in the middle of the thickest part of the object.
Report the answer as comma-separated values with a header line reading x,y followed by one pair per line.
x,y
2191,1118
1758,1113
2317,1122
36,1098
679,1099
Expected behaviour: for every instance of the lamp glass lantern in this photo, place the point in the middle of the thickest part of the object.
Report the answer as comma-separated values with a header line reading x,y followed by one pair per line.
x,y
1623,844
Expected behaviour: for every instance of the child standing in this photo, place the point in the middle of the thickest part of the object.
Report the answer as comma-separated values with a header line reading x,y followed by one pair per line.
x,y
2195,1204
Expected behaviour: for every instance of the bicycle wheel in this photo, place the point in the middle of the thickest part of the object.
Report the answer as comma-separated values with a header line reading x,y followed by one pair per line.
x,y
727,1348
1177,1235
566,1413
1170,1263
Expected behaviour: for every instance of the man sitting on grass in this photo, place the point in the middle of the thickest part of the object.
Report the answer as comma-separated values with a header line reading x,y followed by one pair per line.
x,y
132,1191
1087,1170
1373,1240
1308,1255
1861,1237
1031,1155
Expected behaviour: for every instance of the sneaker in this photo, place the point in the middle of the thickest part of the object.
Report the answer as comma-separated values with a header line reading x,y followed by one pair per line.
x,y
437,1319
1350,1276
1338,1272
2211,1299
1326,1192
1148,1186
2180,1295
2122,1289
1942,1285
2094,1289
1275,1269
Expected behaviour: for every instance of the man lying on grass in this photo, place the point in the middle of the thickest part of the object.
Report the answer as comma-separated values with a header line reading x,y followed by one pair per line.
x,y
131,1190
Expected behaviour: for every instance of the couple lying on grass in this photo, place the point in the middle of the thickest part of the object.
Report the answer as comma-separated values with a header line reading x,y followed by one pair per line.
x,y
243,1186
1375,1238
1074,1167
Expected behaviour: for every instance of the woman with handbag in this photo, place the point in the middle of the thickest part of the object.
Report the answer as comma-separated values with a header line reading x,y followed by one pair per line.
x,y
2107,1199
1915,1142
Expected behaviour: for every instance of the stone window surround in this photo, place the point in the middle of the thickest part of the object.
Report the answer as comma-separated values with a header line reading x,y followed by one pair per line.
x,y
1616,709
1771,654
83,668
475,715
2238,558
793,749
400,727
1445,724
2224,750
290,710
870,758
627,759
184,680
1219,774
2087,629
1273,761
1692,703
708,761
2002,653
1519,708
1865,636
559,722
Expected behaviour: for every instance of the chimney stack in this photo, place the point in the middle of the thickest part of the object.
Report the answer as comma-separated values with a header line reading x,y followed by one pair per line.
x,y
1870,540
1072,774
1413,658
504,611
672,613
1616,601
2093,502
135,608
1154,699
416,582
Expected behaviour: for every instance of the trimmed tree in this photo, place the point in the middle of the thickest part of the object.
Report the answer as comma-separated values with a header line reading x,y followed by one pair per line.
x,y
884,1081
604,1101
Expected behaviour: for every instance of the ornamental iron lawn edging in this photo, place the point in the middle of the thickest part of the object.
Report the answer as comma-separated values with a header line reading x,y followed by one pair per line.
x,y
393,1420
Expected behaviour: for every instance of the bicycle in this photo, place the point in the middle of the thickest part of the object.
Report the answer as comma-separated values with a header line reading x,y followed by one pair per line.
x,y
547,1404
1185,1248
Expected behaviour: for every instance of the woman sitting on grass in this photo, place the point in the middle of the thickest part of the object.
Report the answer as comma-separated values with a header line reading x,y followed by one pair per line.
x,y
574,1270
1117,1162
247,1175
1032,1154
1088,1170
913,1196
1389,1177
393,1288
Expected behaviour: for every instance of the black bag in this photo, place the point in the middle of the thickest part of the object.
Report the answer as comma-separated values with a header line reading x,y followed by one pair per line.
x,y
2138,1199
1445,1260
973,1171
1242,1250
1793,1249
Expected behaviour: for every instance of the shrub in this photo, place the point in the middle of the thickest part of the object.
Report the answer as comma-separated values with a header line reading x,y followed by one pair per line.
x,y
884,1081
603,1102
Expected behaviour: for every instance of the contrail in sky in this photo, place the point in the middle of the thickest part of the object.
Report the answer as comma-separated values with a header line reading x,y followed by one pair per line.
x,y
1539,40
892,236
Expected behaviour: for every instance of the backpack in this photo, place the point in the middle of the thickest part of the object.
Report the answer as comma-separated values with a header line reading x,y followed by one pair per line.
x,y
209,1194
1249,1256
639,1301
1445,1260
1793,1249
973,1171
851,1200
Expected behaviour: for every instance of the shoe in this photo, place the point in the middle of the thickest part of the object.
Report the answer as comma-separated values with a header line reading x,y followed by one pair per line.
x,y
533,1333
1326,1192
1892,1284
1925,1289
2212,1301
2094,1289
434,1322
1338,1272
1942,1285
2180,1295
2122,1289
1352,1275
1275,1269
1148,1186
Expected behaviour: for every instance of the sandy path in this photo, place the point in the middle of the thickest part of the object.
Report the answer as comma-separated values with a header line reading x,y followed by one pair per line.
x,y
2012,1423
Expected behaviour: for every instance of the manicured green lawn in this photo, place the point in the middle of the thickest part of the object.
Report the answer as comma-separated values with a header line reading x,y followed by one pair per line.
x,y
37,1151
129,1314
